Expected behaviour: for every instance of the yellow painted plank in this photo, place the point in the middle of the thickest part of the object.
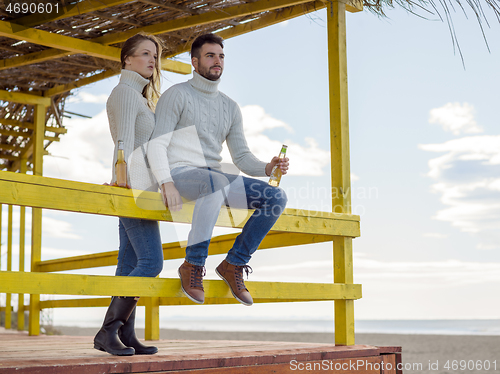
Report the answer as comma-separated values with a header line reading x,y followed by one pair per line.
x,y
152,324
80,83
163,301
77,284
23,98
36,214
167,65
8,298
50,193
339,120
22,240
340,174
218,245
33,58
53,40
23,135
202,19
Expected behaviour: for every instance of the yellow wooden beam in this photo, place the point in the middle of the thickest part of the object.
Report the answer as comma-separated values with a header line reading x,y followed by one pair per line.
x,y
36,215
23,98
152,323
8,298
30,126
181,300
272,18
340,175
51,193
239,10
218,245
167,65
68,10
22,240
53,40
25,135
80,83
33,58
97,285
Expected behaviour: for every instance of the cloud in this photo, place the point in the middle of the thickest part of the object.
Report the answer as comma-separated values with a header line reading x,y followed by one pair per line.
x,y
455,118
86,97
367,270
58,229
52,227
434,235
467,176
85,153
305,159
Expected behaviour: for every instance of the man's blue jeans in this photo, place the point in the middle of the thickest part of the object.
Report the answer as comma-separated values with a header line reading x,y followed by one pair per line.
x,y
140,253
211,189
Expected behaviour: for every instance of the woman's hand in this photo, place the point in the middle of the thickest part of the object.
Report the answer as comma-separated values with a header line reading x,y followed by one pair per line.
x,y
171,197
115,185
283,165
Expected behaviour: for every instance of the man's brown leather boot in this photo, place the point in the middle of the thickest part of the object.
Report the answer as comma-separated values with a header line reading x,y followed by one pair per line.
x,y
192,281
233,276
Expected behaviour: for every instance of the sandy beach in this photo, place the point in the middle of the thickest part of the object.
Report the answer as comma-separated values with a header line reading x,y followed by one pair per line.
x,y
421,353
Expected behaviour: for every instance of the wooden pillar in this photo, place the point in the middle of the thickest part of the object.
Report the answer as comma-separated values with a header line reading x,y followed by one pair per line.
x,y
36,224
22,234
341,180
8,299
152,328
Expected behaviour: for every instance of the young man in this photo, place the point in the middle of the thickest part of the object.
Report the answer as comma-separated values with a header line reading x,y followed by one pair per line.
x,y
193,119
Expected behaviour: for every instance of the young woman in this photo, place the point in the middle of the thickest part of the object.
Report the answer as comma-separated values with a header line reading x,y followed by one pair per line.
x,y
131,120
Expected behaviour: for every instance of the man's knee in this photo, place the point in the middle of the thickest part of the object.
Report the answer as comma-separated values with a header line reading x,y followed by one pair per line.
x,y
277,201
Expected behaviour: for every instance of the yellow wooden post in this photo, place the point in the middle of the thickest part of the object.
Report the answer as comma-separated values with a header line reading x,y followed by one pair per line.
x,y
22,232
36,224
152,329
341,182
8,299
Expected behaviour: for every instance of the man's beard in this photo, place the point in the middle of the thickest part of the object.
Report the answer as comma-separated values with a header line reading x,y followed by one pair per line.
x,y
210,76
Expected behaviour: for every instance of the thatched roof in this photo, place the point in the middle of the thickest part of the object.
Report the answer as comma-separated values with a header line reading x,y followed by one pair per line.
x,y
37,59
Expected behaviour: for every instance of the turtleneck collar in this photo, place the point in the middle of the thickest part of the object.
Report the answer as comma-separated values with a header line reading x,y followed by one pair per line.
x,y
133,79
204,85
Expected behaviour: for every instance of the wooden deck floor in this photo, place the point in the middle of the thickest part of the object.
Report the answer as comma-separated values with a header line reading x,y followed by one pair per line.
x,y
20,353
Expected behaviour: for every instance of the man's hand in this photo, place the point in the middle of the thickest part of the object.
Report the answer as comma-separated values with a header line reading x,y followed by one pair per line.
x,y
171,197
283,165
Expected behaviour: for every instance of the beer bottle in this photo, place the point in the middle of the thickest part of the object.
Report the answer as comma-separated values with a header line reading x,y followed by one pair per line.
x,y
275,178
121,166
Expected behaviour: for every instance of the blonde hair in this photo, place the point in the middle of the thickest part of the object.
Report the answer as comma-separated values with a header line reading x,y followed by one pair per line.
x,y
152,90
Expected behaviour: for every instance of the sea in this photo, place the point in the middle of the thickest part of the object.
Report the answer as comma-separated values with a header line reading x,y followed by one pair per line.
x,y
424,327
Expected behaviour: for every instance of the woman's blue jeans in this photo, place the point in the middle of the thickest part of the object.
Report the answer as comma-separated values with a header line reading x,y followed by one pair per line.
x,y
140,253
211,189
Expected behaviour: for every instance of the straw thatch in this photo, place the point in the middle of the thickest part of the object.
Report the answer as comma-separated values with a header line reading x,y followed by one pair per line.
x,y
39,77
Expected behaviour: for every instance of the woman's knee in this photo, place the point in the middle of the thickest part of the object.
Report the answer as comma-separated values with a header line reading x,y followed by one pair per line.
x,y
151,269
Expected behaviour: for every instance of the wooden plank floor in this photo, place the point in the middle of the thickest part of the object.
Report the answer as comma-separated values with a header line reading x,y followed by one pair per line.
x,y
20,353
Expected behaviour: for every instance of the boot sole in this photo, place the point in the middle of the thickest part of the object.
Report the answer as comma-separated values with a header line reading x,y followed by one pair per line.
x,y
185,293
115,353
234,295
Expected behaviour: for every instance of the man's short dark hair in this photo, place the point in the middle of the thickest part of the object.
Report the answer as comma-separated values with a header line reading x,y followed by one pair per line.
x,y
204,39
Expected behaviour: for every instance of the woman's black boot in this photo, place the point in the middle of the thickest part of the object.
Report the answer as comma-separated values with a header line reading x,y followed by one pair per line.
x,y
117,315
126,333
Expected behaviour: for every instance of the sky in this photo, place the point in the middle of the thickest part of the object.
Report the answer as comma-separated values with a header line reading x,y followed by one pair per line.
x,y
425,164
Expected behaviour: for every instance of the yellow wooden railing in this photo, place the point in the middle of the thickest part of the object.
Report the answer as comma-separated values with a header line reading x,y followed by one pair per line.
x,y
294,227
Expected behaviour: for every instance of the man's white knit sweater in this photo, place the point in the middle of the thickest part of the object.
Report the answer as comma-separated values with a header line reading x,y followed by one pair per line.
x,y
131,120
193,119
